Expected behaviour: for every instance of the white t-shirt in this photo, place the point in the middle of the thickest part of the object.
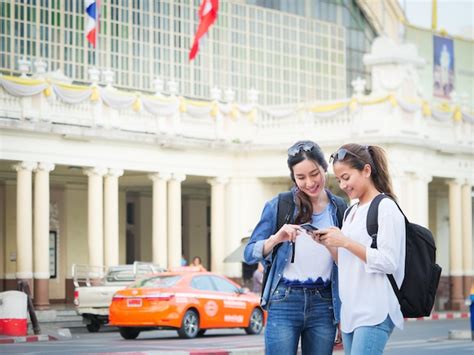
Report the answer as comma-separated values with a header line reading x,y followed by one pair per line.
x,y
313,262
365,291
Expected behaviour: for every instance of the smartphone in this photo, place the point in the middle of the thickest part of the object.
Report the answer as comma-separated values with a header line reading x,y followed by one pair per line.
x,y
309,227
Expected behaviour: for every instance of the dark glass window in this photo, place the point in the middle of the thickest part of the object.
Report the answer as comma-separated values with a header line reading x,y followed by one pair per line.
x,y
222,285
202,283
359,32
130,213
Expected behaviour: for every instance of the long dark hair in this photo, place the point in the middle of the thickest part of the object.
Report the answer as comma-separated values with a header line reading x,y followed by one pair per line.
x,y
360,155
304,150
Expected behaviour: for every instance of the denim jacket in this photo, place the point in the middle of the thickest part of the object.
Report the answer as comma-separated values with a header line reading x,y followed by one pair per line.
x,y
253,252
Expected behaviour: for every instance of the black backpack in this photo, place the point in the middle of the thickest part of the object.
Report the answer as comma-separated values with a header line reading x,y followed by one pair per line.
x,y
285,212
418,290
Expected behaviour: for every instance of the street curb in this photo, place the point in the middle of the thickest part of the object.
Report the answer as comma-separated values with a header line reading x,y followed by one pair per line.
x,y
27,339
438,316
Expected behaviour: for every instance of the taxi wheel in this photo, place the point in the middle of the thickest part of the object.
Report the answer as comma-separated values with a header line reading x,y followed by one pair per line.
x,y
129,333
190,325
256,322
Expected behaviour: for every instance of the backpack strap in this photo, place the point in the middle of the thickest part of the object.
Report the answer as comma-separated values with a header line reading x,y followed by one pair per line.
x,y
285,211
373,228
341,207
372,219
372,215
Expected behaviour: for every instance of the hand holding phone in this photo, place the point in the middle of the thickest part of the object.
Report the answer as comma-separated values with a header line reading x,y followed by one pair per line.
x,y
320,235
317,234
308,227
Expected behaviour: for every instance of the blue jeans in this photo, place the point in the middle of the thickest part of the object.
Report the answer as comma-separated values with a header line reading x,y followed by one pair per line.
x,y
368,340
300,312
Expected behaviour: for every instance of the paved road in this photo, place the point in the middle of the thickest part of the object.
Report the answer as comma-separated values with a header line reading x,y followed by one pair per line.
x,y
110,341
422,337
430,347
430,337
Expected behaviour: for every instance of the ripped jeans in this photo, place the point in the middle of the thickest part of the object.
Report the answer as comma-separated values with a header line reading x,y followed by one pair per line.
x,y
297,312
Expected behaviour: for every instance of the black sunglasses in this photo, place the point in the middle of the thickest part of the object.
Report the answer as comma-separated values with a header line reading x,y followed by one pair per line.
x,y
341,154
299,147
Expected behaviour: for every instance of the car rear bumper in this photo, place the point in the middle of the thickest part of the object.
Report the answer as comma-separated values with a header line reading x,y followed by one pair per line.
x,y
149,317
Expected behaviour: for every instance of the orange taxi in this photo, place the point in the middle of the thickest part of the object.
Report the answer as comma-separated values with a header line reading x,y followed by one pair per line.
x,y
190,302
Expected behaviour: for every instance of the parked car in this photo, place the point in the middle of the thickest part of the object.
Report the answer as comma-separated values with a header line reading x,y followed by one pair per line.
x,y
95,287
190,302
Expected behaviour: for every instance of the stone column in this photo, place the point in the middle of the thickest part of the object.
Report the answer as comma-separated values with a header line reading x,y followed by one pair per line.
x,y
410,204
466,201
24,237
397,186
235,228
160,218
10,234
111,222
174,220
41,235
455,244
3,239
95,215
422,199
218,235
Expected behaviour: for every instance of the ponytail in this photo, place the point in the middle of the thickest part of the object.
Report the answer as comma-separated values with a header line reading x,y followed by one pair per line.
x,y
359,155
380,176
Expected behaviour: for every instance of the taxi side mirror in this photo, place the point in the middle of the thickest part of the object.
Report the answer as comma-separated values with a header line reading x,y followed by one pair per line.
x,y
243,290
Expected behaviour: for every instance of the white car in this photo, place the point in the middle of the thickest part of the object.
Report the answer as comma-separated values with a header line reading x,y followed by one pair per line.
x,y
95,287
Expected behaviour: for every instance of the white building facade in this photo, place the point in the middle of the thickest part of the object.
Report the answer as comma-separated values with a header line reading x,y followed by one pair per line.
x,y
93,174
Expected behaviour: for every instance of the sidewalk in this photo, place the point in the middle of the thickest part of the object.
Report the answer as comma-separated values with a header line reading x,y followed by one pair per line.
x,y
54,325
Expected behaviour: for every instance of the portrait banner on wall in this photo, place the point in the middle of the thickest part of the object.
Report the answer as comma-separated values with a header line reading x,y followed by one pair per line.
x,y
443,67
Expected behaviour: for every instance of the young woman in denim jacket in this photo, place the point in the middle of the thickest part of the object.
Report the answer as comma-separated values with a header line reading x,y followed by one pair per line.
x,y
301,297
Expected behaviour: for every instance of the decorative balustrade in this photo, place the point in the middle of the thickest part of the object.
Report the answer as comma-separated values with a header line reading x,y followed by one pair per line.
x,y
361,116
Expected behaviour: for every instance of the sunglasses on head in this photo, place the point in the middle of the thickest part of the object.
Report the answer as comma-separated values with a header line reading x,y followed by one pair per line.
x,y
341,154
299,147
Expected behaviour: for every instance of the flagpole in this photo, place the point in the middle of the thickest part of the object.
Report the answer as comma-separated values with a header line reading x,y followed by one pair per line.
x,y
211,66
96,49
434,15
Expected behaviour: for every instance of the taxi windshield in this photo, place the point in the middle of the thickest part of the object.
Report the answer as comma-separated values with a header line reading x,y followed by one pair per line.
x,y
157,281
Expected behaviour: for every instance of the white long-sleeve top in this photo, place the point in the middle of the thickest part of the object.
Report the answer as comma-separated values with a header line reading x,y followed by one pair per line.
x,y
365,291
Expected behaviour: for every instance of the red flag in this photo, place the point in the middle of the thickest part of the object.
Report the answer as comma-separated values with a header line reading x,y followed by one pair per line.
x,y
207,15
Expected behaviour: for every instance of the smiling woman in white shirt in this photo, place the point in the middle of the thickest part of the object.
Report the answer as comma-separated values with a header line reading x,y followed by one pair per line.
x,y
370,309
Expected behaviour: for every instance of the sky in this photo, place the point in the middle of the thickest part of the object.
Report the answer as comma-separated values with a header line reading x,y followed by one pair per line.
x,y
455,16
